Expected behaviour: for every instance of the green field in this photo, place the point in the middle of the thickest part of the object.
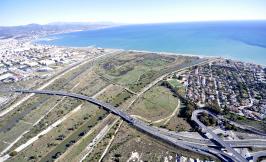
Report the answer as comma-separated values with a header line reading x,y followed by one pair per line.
x,y
127,70
178,123
177,86
156,103
135,70
260,125
130,140
175,83
80,80
62,136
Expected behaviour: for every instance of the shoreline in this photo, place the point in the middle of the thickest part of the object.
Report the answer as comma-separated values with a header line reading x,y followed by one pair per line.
x,y
159,52
195,55
35,41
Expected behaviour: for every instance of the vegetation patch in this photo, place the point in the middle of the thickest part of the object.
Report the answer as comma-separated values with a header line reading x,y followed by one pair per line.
x,y
139,69
158,102
178,123
128,141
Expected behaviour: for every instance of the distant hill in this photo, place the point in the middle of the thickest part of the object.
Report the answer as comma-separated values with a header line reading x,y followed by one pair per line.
x,y
58,27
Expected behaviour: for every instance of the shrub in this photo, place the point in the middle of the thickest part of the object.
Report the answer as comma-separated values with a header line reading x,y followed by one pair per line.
x,y
13,153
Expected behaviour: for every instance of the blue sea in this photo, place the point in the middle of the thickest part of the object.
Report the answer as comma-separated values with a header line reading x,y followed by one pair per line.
x,y
239,40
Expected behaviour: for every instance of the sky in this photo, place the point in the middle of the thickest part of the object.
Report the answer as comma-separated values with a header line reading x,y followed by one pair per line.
x,y
21,12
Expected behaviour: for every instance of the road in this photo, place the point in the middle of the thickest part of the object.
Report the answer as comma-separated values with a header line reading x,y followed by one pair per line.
x,y
72,67
156,132
165,119
150,85
248,90
110,142
214,136
245,127
97,139
35,123
258,154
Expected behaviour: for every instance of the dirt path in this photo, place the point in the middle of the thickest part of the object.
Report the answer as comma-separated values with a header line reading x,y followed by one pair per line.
x,y
95,127
7,110
92,130
97,139
110,142
103,90
37,122
48,129
101,135
35,138
168,118
146,88
23,146
165,120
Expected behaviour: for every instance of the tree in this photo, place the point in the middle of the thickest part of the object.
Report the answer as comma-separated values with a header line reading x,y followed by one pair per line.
x,y
214,107
212,120
226,110
13,153
32,157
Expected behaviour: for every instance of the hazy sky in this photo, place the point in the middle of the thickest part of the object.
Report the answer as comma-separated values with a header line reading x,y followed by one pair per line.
x,y
17,12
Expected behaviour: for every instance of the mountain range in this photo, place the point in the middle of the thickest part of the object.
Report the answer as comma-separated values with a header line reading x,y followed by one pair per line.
x,y
51,28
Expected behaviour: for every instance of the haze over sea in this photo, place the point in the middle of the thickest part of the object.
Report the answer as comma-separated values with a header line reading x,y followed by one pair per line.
x,y
239,40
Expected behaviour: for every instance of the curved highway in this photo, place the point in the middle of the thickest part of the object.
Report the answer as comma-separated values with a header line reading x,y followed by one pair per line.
x,y
167,136
205,129
258,154
244,127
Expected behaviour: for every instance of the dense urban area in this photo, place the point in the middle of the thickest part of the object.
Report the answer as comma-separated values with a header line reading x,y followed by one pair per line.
x,y
234,86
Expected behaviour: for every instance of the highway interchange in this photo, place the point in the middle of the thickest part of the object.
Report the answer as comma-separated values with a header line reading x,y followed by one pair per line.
x,y
214,136
205,146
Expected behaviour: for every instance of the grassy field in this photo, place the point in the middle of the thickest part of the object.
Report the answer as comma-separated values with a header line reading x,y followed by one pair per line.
x,y
113,95
260,125
76,151
130,69
21,111
73,138
80,81
95,155
12,134
128,141
82,122
178,124
63,135
135,70
89,83
174,83
156,103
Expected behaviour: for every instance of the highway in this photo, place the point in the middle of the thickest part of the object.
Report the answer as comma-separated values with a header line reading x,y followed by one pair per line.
x,y
214,136
168,136
249,128
202,141
258,154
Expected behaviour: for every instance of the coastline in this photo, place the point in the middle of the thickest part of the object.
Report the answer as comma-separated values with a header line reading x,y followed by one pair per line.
x,y
220,39
36,39
195,55
155,52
